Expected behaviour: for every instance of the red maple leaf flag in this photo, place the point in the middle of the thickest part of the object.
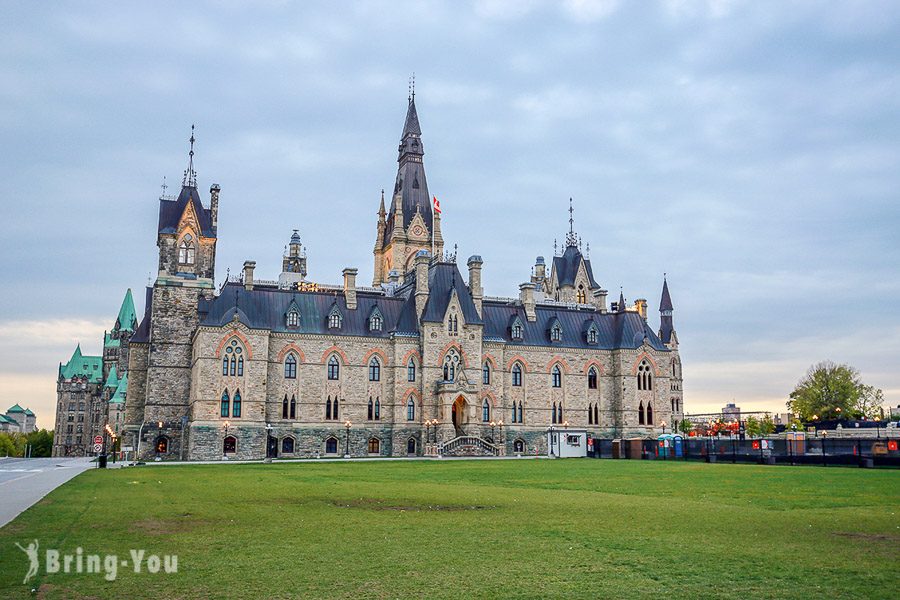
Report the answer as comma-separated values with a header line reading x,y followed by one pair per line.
x,y
437,205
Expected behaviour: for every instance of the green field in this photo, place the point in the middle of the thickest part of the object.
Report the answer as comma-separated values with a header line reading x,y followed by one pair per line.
x,y
516,528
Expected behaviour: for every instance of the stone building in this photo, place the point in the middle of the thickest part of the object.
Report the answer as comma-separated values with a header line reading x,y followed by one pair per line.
x,y
17,420
420,363
90,390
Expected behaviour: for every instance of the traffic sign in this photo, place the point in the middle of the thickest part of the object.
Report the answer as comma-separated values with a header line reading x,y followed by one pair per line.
x,y
98,447
98,439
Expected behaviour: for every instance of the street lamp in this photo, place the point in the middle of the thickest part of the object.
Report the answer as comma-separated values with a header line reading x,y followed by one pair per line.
x,y
663,424
493,424
500,424
434,424
878,427
347,424
224,454
551,430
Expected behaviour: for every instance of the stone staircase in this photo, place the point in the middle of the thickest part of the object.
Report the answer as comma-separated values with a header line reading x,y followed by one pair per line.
x,y
468,445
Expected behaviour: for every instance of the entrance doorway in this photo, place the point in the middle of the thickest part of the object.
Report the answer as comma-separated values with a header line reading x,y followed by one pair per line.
x,y
272,447
459,415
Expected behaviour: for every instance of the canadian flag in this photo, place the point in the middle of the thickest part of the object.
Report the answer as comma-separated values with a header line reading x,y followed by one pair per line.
x,y
437,205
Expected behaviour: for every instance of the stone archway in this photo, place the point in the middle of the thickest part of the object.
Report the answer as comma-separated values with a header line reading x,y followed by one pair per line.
x,y
459,414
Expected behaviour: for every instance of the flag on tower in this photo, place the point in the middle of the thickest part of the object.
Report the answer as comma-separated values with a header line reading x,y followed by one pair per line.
x,y
437,205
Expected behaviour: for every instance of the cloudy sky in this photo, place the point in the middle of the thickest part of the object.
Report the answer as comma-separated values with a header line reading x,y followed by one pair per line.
x,y
748,149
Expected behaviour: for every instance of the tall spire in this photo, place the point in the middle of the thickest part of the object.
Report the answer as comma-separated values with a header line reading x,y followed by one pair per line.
x,y
190,176
411,185
621,306
666,325
571,238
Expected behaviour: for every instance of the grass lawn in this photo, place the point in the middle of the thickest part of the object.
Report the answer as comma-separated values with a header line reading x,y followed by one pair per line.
x,y
526,528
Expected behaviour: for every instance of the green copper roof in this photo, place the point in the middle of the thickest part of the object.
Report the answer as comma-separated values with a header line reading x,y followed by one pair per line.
x,y
15,408
28,412
80,365
110,342
127,319
119,396
112,380
5,419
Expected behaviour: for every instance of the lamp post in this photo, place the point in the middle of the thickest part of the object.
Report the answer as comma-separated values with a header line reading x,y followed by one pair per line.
x,y
268,435
224,453
663,424
493,424
878,428
500,424
551,430
347,424
159,432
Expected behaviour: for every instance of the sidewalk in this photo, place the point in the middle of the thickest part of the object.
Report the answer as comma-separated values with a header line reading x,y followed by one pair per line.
x,y
24,481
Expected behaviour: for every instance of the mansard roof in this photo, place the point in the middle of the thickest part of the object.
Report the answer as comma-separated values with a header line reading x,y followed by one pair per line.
x,y
410,185
614,330
15,408
142,333
170,212
566,267
121,390
265,307
665,302
443,278
79,365
127,318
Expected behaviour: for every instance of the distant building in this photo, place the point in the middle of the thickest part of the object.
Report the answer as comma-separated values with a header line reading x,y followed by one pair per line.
x,y
17,420
90,390
730,412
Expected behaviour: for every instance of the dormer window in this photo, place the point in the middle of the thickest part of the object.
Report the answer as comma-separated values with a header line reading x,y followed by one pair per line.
x,y
581,296
186,250
335,318
592,334
556,333
293,318
517,330
376,320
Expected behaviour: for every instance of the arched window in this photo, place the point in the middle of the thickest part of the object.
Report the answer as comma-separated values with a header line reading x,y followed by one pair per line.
x,y
233,362
592,335
513,420
334,318
240,366
521,413
644,376
162,444
233,370
672,402
553,419
229,445
186,250
293,318
328,409
334,368
371,409
410,409
375,323
641,413
486,373
649,414
377,409
485,411
284,407
557,376
331,445
581,296
517,331
453,324
451,364
290,367
517,375
411,370
590,414
287,445
592,378
334,409
236,405
411,445
374,369
225,405
293,407
560,415
374,446
597,414
225,365
519,446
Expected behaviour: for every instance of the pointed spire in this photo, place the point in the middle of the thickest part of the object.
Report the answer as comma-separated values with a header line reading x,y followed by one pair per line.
x,y
127,317
190,176
381,211
571,238
621,306
665,302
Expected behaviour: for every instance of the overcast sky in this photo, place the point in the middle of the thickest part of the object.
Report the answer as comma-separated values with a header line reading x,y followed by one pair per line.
x,y
748,149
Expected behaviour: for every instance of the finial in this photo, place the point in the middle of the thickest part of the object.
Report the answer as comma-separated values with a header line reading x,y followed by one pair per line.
x,y
554,247
571,238
413,86
164,188
588,250
190,177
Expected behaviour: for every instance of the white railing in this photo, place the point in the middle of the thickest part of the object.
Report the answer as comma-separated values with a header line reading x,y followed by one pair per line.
x,y
483,447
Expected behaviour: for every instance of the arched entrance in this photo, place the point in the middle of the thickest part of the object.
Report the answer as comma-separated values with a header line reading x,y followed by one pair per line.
x,y
459,415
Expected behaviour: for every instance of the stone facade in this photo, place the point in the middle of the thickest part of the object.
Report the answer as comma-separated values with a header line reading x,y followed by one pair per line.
x,y
292,368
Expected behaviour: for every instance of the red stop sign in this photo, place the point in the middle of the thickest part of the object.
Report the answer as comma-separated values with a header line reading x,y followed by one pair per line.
x,y
98,439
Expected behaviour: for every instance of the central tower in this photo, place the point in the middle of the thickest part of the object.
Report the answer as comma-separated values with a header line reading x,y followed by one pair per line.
x,y
410,225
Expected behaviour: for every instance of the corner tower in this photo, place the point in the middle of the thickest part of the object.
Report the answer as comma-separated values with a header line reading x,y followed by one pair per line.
x,y
410,225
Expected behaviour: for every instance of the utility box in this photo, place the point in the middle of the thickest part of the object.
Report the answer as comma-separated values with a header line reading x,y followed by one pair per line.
x,y
617,451
634,449
567,443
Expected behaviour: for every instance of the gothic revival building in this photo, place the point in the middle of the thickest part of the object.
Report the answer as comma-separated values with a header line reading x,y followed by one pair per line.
x,y
420,363
90,390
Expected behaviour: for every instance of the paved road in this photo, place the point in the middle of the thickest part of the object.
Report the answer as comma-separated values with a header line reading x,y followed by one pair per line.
x,y
24,481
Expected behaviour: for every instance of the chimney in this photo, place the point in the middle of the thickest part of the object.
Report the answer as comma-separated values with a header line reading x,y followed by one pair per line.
x,y
214,205
249,266
350,287
474,263
641,305
600,299
422,260
526,295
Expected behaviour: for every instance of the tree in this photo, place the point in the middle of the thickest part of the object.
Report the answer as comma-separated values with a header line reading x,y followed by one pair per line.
x,y
871,400
685,427
41,442
829,391
767,426
752,426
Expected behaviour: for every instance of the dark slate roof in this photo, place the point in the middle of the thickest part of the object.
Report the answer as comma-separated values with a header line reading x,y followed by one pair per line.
x,y
566,267
615,330
411,183
142,333
266,308
170,212
442,279
665,303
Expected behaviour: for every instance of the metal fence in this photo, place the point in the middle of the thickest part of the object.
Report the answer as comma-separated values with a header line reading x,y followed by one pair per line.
x,y
857,452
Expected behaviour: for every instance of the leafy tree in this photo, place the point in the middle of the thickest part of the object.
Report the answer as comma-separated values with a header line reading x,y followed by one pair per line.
x,y
7,446
752,426
767,425
685,427
829,391
41,441
870,401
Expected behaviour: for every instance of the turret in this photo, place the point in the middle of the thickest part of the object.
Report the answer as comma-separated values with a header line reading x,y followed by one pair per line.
x,y
666,326
422,261
474,263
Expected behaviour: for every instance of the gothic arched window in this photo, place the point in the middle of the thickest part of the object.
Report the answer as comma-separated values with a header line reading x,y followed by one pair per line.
x,y
290,367
284,408
334,368
377,409
485,410
557,376
293,407
374,370
287,445
644,376
592,378
486,373
225,405
186,250
411,370
410,409
641,413
581,296
451,364
649,414
517,375
236,405
293,318
553,417
233,362
328,409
